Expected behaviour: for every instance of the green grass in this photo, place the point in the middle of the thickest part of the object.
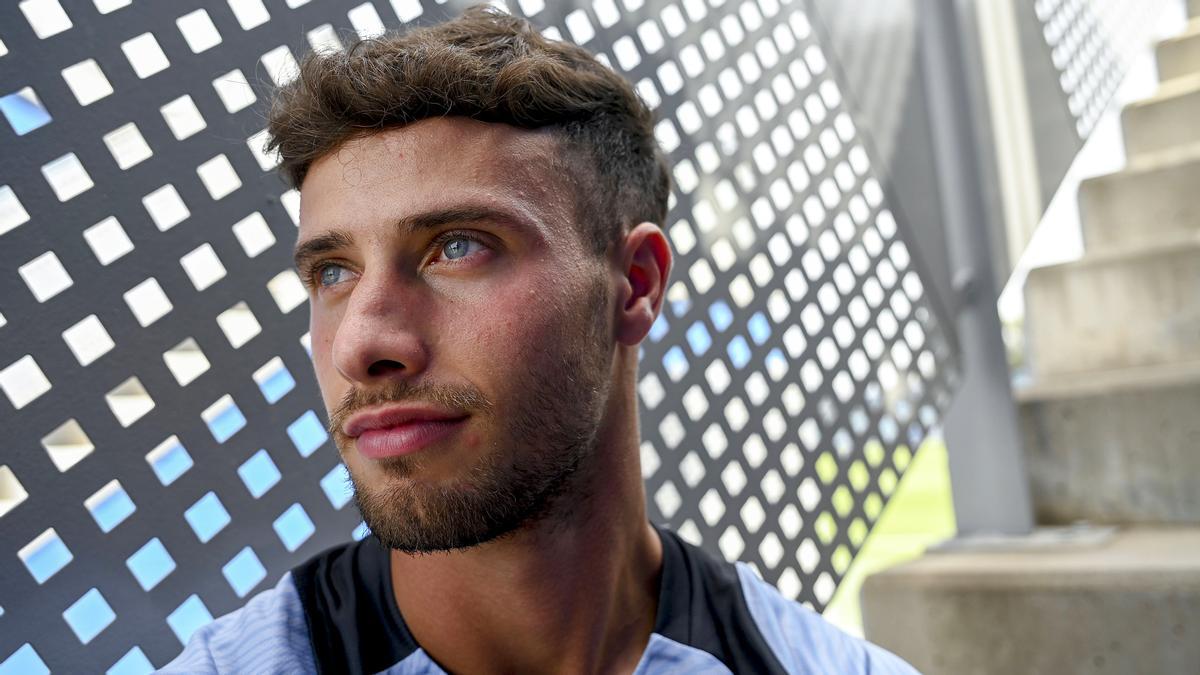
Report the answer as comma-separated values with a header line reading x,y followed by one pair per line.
x,y
920,513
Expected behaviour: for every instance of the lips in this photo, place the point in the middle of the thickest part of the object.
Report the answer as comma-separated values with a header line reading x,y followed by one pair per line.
x,y
400,430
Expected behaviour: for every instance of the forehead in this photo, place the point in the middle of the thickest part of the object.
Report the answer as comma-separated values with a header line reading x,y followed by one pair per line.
x,y
433,164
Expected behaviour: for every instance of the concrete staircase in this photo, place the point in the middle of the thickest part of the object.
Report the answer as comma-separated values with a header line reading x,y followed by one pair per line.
x,y
1112,423
1111,429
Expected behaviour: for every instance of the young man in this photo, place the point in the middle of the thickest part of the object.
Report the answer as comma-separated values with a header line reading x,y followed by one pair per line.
x,y
480,230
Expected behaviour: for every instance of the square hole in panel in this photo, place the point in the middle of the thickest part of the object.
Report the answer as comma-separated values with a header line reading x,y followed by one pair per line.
x,y
67,445
183,117
307,433
324,38
244,572
360,532
280,65
145,56
24,661
198,31
258,147
133,663
150,564
12,493
127,145
531,7
108,240
254,234
249,13
287,290
24,111
169,460
366,21
218,176
45,276
203,266
67,177
606,12
294,527
12,212
234,91
87,81
45,17
110,506
223,418
274,380
186,362
207,517
129,401
407,10
89,615
291,204
23,381
107,6
259,473
580,27
190,616
148,302
45,556
88,340
626,52
337,487
239,324
166,207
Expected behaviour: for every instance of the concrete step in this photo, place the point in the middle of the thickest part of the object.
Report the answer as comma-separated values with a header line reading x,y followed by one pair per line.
x,y
1165,120
1143,203
1115,309
1179,55
1115,447
1128,603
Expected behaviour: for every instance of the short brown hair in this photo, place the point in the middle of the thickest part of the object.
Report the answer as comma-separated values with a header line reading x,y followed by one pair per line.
x,y
493,67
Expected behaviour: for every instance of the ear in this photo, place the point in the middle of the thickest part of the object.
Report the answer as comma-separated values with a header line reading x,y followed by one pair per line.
x,y
645,265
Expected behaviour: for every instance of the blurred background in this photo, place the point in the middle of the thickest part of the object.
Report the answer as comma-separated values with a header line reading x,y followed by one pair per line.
x,y
930,361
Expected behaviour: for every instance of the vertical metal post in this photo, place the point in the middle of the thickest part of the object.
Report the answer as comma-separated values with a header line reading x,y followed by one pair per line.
x,y
987,470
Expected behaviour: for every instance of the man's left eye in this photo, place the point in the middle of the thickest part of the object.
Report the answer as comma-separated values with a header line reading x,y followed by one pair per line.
x,y
459,247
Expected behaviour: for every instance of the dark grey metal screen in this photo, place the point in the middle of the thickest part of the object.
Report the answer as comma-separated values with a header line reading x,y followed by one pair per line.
x,y
164,455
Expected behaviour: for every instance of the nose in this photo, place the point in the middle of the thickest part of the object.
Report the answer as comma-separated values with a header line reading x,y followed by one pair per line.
x,y
379,336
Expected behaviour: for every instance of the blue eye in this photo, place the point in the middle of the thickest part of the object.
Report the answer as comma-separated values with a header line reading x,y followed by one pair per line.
x,y
330,274
457,247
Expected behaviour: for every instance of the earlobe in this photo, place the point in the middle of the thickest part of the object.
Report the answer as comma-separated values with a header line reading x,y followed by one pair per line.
x,y
645,268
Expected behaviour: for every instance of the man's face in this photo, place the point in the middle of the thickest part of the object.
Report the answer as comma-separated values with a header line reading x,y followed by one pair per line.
x,y
449,279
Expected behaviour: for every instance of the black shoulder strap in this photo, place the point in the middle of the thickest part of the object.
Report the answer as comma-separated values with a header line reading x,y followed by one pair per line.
x,y
702,605
352,617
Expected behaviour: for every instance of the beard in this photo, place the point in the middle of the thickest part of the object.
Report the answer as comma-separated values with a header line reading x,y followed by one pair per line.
x,y
536,460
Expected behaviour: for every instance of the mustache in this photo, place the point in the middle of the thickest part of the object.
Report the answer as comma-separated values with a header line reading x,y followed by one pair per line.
x,y
464,399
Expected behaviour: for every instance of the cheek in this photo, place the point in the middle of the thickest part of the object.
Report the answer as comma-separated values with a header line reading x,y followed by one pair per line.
x,y
512,329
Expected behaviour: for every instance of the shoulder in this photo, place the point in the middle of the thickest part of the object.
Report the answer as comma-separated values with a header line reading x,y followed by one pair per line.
x,y
267,635
804,642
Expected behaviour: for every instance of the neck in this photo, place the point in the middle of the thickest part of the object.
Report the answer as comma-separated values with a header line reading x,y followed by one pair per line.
x,y
576,592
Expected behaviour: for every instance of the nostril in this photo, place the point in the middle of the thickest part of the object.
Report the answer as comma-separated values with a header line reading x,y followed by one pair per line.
x,y
384,367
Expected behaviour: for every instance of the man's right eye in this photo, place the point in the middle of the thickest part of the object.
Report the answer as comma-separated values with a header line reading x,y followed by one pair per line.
x,y
329,274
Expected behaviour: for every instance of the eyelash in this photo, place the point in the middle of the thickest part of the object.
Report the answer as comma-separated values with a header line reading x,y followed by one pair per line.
x,y
312,272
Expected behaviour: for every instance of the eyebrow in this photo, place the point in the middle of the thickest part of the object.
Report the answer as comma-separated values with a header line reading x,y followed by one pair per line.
x,y
340,239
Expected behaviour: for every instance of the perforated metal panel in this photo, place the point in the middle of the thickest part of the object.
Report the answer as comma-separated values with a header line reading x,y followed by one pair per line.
x,y
1092,43
164,456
